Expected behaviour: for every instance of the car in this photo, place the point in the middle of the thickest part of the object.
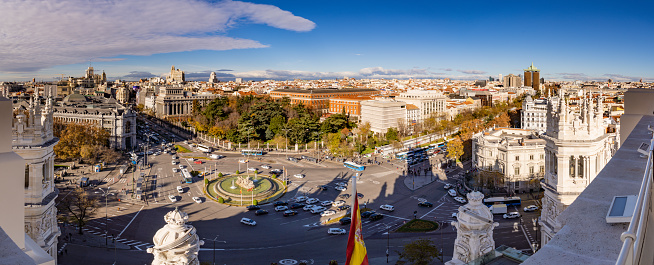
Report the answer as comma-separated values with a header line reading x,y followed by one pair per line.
x,y
252,169
182,166
281,208
323,187
248,221
447,186
343,207
276,171
327,213
318,209
253,207
172,198
197,199
460,199
297,205
387,207
425,204
341,184
265,166
336,231
344,196
375,217
326,203
174,162
530,208
175,170
180,189
312,200
360,195
289,213
345,220
340,188
308,207
260,212
367,214
452,192
338,203
454,214
198,162
511,215
301,199
191,159
242,161
300,176
280,203
175,157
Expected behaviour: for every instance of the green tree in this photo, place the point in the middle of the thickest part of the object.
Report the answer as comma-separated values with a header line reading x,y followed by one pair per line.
x,y
419,252
79,205
221,200
220,174
455,148
392,134
277,124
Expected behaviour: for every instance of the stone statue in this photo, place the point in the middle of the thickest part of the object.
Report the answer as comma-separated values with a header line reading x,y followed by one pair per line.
x,y
474,226
245,182
176,243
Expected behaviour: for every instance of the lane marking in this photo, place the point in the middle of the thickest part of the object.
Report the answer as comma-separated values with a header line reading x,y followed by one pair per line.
x,y
130,222
432,210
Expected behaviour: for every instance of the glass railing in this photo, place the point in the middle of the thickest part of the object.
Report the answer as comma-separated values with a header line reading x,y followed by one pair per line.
x,y
634,238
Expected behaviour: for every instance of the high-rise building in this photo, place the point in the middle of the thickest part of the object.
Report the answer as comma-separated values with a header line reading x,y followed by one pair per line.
x,y
213,78
577,148
512,80
532,77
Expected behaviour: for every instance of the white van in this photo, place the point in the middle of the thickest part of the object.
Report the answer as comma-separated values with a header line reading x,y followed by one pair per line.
x,y
452,192
387,207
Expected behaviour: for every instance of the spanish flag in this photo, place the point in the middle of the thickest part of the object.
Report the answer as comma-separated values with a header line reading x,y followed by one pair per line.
x,y
356,249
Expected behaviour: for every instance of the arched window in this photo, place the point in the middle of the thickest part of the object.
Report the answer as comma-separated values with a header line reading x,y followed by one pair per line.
x,y
580,167
572,166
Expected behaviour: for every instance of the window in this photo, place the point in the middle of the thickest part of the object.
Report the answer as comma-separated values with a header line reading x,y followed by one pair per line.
x,y
542,169
517,171
580,167
531,170
517,158
572,166
531,157
542,156
27,176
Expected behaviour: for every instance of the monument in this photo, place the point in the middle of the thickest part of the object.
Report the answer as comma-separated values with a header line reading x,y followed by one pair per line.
x,y
176,243
474,230
245,182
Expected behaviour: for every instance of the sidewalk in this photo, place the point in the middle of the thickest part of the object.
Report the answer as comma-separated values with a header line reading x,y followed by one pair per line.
x,y
69,237
417,182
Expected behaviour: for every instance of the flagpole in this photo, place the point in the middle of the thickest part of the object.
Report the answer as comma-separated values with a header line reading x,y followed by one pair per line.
x,y
354,189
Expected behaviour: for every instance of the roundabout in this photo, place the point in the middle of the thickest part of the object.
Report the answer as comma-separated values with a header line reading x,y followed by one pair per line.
x,y
245,189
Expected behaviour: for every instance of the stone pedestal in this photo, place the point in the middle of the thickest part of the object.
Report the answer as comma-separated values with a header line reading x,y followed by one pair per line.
x,y
474,226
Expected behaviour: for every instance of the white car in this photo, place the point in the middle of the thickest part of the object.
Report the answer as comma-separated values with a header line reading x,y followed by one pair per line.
x,y
341,184
308,207
252,169
300,176
336,231
341,188
175,170
530,208
191,159
312,200
460,199
318,209
182,166
338,203
242,161
301,199
174,162
248,221
454,215
511,215
281,208
179,189
265,166
452,192
197,200
175,157
172,198
326,203
327,213
447,186
387,207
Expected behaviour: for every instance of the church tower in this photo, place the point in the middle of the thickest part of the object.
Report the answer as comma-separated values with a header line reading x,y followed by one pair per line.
x,y
33,140
577,148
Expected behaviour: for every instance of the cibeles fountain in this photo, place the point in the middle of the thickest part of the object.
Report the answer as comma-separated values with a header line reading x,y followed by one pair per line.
x,y
176,243
474,230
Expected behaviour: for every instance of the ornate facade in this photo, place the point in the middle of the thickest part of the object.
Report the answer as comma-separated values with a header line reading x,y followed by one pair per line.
x,y
176,76
578,145
176,243
176,102
33,140
474,230
534,114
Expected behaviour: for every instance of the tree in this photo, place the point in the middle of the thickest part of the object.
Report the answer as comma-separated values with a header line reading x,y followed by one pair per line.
x,y
419,252
455,148
79,140
402,128
79,205
392,134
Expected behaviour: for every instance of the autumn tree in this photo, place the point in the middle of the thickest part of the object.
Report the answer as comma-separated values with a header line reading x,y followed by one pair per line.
x,y
455,149
78,141
420,252
79,205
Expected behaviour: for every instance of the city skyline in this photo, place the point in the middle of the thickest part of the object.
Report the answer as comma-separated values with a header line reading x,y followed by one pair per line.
x,y
325,40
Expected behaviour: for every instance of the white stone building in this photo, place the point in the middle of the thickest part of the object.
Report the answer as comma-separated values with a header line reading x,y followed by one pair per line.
x,y
534,114
428,101
173,101
412,114
577,148
518,154
382,114
33,140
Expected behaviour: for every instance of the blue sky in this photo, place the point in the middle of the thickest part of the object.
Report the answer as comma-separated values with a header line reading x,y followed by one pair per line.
x,y
567,40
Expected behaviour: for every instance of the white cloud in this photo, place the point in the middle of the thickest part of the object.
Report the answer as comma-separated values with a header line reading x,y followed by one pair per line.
x,y
365,73
39,34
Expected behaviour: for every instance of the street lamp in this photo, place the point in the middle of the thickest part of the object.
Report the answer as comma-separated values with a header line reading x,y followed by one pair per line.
x,y
286,138
214,247
106,221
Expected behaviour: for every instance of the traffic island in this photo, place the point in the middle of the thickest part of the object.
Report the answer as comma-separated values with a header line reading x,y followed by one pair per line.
x,y
245,189
418,225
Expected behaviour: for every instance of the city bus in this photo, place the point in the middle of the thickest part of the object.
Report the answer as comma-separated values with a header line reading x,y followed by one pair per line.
x,y
204,148
515,201
251,152
401,155
187,176
352,165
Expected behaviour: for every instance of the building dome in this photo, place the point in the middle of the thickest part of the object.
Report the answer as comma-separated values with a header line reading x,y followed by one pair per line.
x,y
73,98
